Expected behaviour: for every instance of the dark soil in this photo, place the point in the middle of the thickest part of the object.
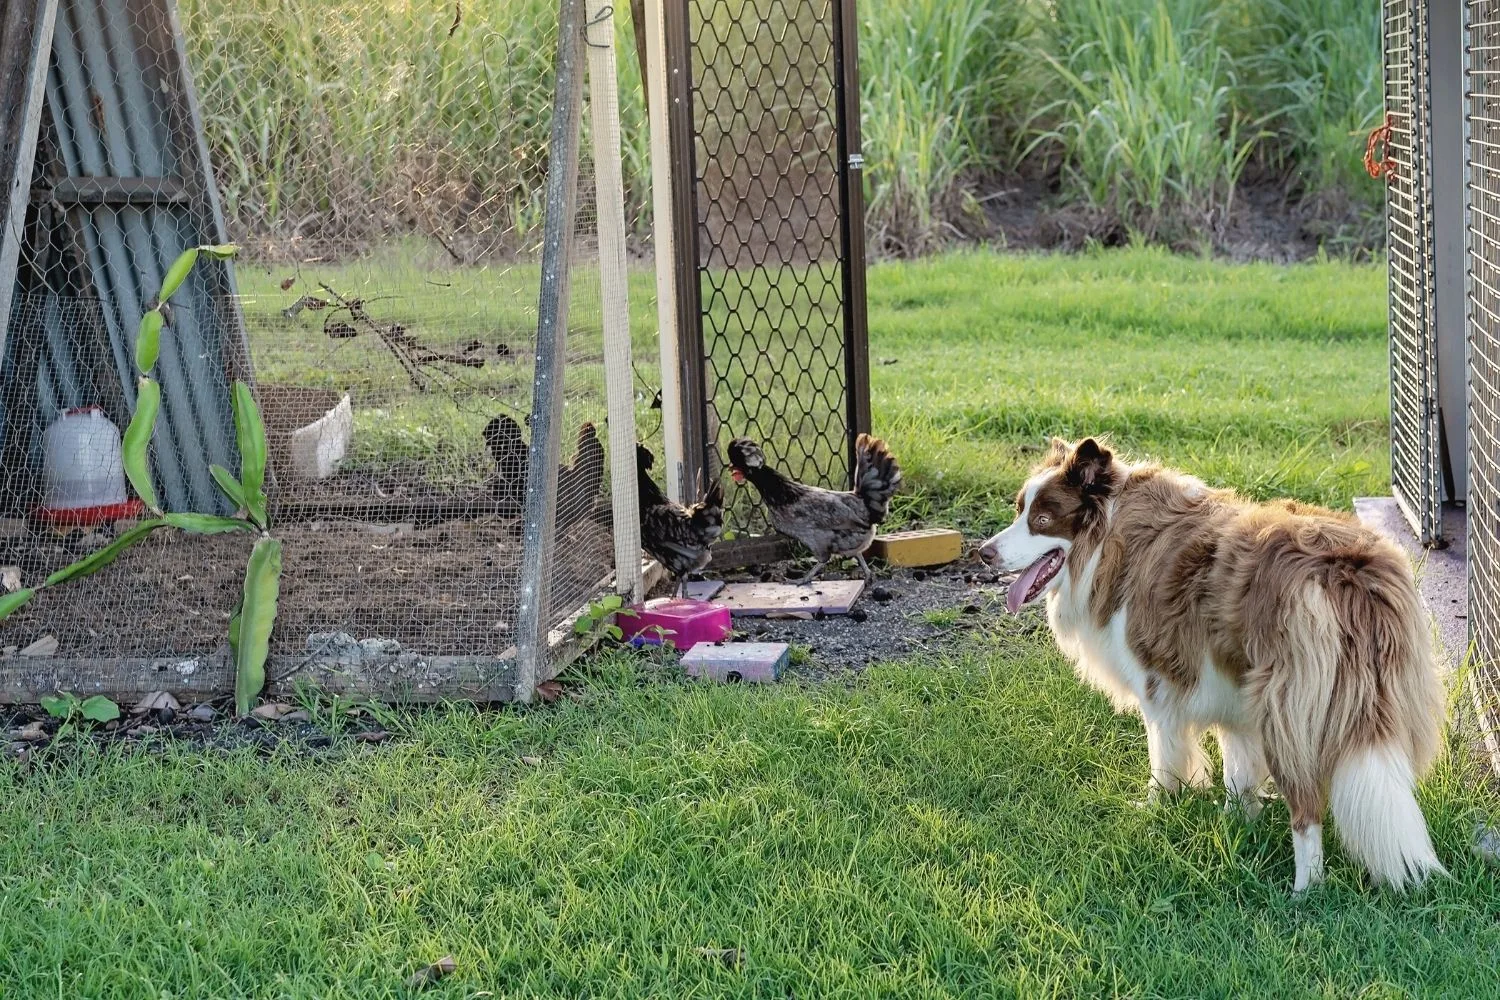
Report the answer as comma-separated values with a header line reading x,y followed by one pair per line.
x,y
440,589
902,613
1267,223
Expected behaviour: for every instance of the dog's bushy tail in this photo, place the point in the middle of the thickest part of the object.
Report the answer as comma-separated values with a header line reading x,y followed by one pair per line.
x,y
1355,705
876,475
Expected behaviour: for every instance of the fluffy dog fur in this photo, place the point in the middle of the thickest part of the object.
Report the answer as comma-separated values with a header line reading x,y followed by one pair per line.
x,y
1291,631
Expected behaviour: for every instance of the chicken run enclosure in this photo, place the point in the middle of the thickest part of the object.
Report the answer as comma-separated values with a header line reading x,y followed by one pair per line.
x,y
432,301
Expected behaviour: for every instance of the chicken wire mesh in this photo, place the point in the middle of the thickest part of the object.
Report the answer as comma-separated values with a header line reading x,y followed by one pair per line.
x,y
1483,514
382,167
775,329
1415,453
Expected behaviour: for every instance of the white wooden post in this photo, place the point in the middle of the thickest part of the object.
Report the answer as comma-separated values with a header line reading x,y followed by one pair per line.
x,y
666,249
619,392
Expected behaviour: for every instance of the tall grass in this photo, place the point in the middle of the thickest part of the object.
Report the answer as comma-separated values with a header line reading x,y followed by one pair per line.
x,y
1317,67
335,121
1147,127
941,80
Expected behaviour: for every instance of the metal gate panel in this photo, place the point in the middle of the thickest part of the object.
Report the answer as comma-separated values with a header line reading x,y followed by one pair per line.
x,y
772,313
1482,183
1415,450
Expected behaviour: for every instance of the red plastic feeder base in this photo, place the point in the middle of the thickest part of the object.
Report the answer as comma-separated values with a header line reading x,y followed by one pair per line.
x,y
88,517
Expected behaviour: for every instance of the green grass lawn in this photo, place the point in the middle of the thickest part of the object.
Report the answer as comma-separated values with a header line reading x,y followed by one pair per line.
x,y
955,825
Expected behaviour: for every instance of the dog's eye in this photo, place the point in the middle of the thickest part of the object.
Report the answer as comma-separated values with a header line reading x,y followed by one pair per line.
x,y
1042,520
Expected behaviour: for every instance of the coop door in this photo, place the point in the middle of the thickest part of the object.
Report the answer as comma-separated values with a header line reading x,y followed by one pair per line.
x,y
767,179
1415,428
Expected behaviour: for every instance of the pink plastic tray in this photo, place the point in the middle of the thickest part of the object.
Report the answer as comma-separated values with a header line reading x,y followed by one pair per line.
x,y
682,622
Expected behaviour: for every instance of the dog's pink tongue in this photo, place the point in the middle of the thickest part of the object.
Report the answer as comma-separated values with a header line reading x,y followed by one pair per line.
x,y
1016,595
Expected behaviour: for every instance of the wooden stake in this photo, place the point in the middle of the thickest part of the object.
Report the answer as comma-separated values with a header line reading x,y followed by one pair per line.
x,y
609,200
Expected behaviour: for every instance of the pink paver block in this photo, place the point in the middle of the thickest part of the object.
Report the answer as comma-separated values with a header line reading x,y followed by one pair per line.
x,y
831,597
680,621
735,662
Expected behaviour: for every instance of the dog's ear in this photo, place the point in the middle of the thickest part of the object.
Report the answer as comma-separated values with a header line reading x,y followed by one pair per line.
x,y
1057,453
1091,467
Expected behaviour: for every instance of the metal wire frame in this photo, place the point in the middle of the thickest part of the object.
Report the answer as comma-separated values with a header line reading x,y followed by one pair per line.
x,y
1415,428
1482,191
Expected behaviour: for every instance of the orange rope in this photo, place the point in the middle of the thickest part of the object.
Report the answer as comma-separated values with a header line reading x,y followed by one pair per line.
x,y
1380,138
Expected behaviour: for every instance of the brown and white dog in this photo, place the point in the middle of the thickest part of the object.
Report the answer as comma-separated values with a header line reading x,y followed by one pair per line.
x,y
1291,631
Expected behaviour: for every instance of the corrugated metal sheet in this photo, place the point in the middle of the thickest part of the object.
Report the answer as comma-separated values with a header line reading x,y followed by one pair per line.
x,y
115,109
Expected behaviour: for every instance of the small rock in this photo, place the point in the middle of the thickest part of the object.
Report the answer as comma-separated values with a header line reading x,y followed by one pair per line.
x,y
10,578
972,609
881,594
766,577
45,646
139,731
164,716
32,733
202,713
155,700
919,575
1487,842
858,615
533,761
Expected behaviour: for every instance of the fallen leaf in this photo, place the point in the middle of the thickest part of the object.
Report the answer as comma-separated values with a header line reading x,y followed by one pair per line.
x,y
374,736
297,716
202,713
45,646
432,973
549,691
731,957
533,761
10,578
140,731
271,711
34,733
287,283
155,700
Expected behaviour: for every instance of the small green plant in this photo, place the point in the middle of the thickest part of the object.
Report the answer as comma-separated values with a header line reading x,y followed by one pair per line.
x,y
799,653
599,618
68,708
942,617
253,618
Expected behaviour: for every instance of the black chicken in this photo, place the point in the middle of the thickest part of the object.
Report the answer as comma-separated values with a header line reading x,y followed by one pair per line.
x,y
579,484
502,436
678,537
829,522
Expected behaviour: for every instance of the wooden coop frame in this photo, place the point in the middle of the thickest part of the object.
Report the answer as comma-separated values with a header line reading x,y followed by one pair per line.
x,y
542,646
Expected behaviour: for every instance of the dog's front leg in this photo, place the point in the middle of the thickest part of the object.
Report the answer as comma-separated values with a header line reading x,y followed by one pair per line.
x,y
1176,758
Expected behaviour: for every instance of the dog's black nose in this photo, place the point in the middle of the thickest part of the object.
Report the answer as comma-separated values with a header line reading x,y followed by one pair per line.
x,y
987,553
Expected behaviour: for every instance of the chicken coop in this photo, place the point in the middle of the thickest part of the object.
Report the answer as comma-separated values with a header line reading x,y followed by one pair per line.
x,y
435,207
1442,96
428,301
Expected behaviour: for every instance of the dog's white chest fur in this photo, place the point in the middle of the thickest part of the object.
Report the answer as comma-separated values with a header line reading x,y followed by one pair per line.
x,y
1104,660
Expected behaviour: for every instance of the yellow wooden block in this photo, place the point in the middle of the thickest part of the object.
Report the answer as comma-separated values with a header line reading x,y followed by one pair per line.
x,y
924,547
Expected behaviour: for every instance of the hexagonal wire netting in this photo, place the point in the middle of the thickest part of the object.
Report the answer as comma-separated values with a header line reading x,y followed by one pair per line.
x,y
773,328
382,166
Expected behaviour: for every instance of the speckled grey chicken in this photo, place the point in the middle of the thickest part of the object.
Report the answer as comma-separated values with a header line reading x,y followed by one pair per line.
x,y
678,537
829,522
